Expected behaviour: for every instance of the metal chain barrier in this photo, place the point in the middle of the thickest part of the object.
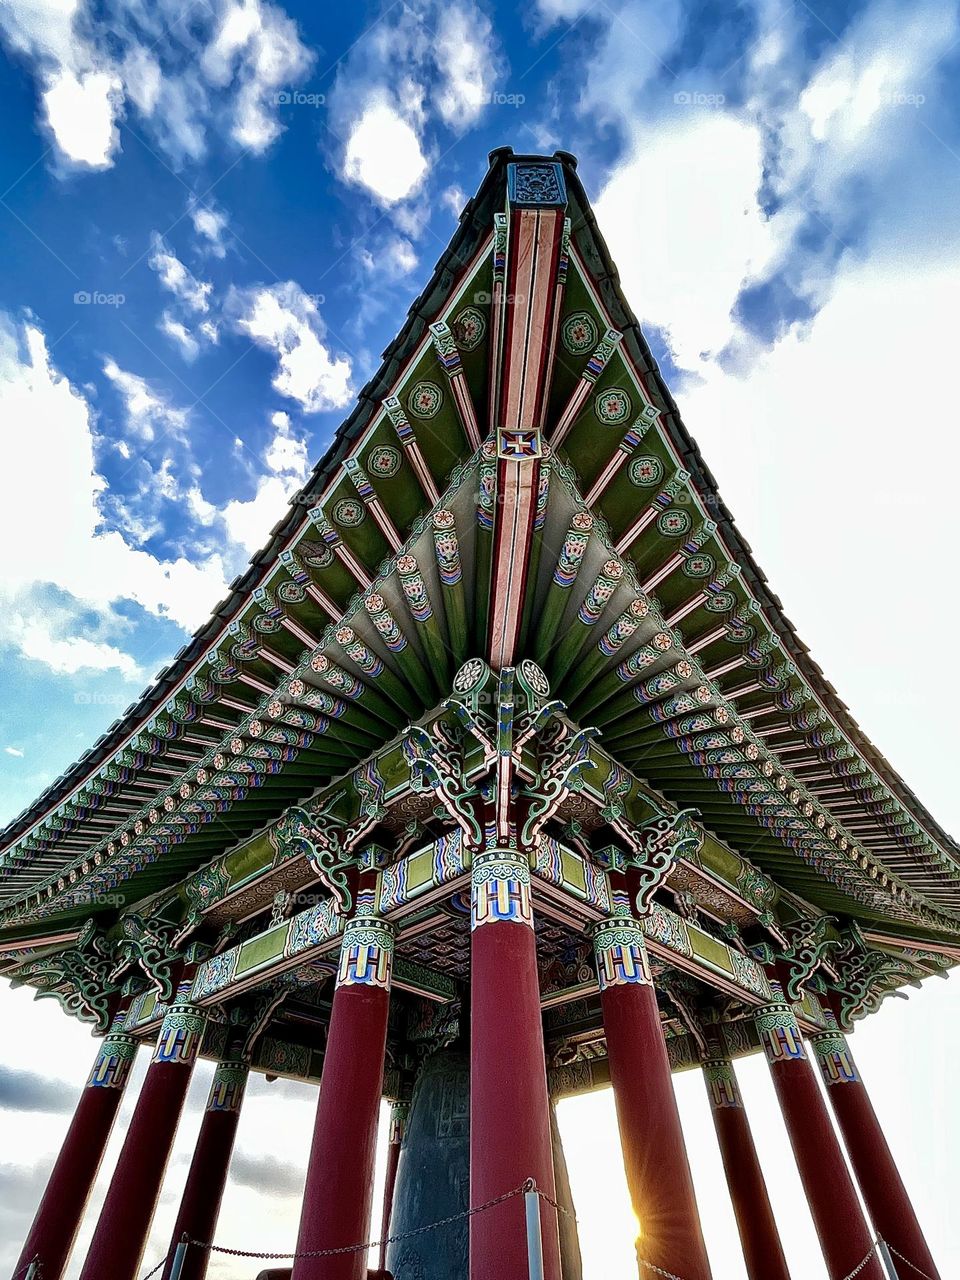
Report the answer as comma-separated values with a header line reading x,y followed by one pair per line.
x,y
856,1271
670,1275
529,1185
658,1271
912,1265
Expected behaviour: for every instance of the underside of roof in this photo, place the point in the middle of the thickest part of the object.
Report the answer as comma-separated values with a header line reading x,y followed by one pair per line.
x,y
641,602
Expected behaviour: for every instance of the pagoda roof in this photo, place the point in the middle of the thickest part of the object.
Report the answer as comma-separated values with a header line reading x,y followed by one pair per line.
x,y
694,675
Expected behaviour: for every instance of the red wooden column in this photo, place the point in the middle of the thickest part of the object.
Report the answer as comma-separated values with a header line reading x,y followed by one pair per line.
x,y
873,1163
759,1237
338,1195
121,1232
509,1106
74,1173
398,1122
844,1235
200,1203
654,1154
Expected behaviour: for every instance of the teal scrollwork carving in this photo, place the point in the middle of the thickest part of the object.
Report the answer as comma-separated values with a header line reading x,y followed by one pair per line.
x,y
79,978
320,839
436,764
807,946
655,847
203,889
149,945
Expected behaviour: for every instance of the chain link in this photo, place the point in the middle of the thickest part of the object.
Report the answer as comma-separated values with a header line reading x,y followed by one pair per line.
x,y
529,1185
856,1271
375,1244
912,1265
659,1271
160,1264
670,1275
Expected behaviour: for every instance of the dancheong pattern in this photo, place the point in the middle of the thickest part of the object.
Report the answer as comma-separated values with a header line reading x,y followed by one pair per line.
x,y
348,512
500,889
779,1033
621,953
384,461
181,1031
366,954
721,1084
227,1088
612,406
114,1059
469,328
646,471
835,1059
511,490
579,333
425,400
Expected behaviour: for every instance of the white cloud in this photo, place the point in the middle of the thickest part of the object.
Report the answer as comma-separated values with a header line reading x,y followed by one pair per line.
x,y
469,66
417,66
49,447
396,257
840,480
29,628
148,411
871,84
454,198
283,319
177,278
256,48
14,751
684,225
80,91
249,522
218,73
210,224
843,134
189,347
82,115
142,79
383,153
631,45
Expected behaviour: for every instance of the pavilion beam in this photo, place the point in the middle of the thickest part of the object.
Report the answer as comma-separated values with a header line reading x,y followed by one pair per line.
x,y
449,357
628,445
408,439
450,570
529,305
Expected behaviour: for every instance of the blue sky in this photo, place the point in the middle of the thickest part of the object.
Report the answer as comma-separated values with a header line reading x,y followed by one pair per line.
x,y
216,215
